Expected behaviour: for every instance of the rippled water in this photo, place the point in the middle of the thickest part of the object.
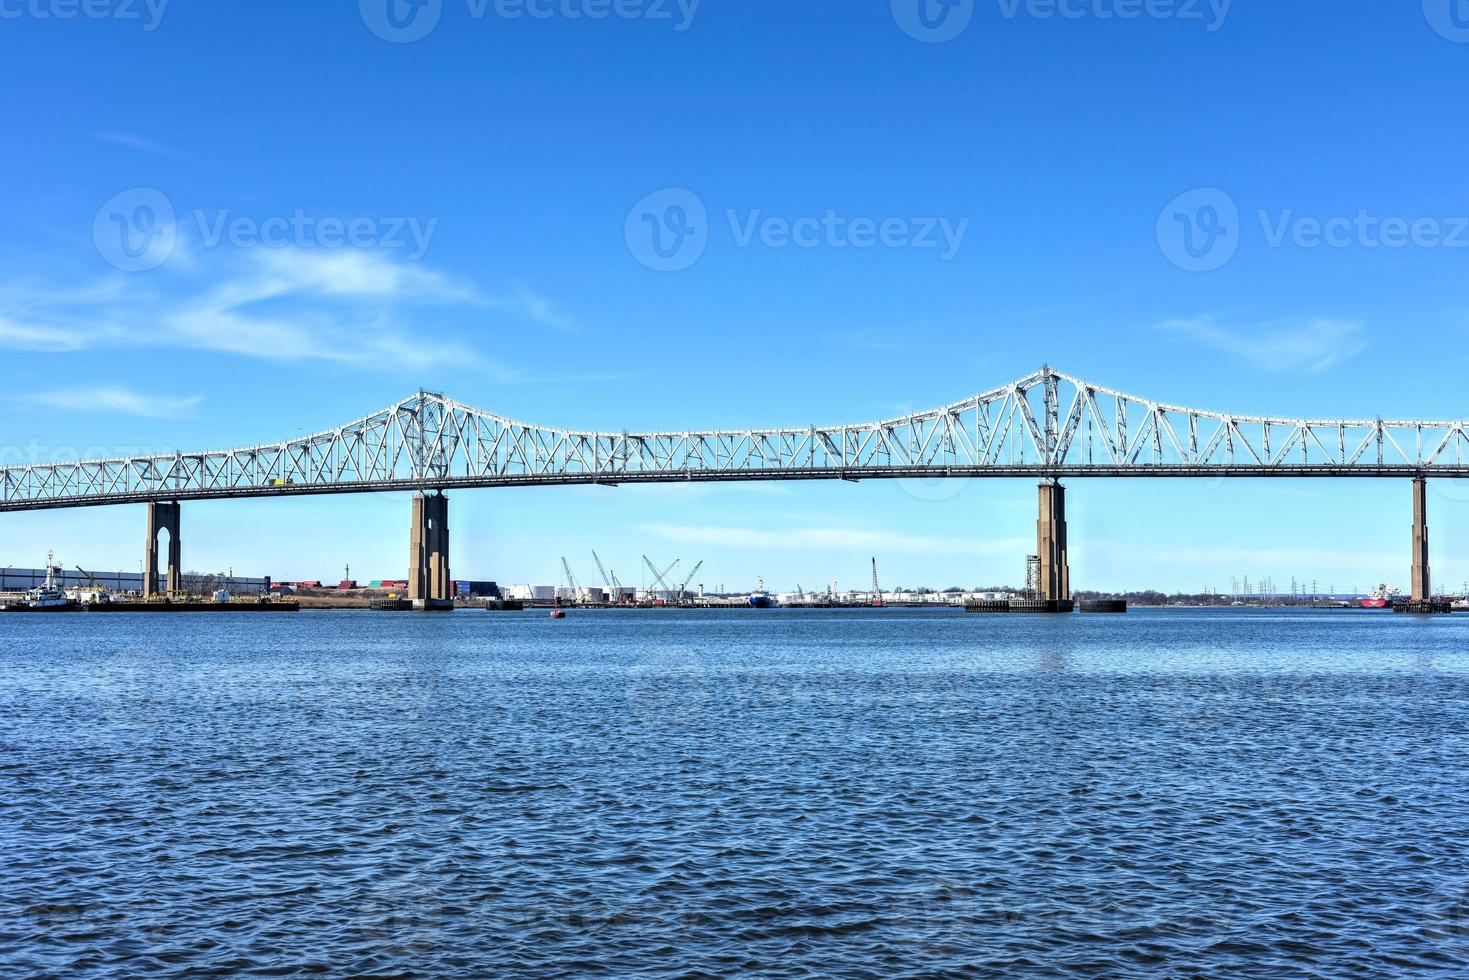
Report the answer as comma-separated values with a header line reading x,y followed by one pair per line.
x,y
871,793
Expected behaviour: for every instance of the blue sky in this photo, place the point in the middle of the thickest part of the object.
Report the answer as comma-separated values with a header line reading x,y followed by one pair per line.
x,y
490,174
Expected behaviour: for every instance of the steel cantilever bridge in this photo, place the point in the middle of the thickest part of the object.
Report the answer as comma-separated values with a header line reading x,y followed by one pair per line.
x,y
1047,425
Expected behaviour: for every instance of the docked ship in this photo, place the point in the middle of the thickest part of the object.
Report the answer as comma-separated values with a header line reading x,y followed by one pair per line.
x,y
48,598
760,598
1383,597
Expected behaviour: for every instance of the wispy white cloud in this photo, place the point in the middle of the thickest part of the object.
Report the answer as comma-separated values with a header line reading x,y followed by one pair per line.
x,y
37,337
115,399
1294,345
355,274
527,303
134,142
831,538
352,307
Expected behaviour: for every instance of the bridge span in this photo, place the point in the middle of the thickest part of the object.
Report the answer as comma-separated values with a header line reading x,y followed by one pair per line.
x,y
1047,426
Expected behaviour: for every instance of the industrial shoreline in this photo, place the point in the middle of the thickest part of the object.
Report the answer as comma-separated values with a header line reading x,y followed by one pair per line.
x,y
60,591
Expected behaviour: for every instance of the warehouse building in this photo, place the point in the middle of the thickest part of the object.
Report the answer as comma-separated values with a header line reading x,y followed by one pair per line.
x,y
25,579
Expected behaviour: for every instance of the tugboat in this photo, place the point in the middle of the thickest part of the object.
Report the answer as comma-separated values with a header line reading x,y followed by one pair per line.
x,y
761,599
48,598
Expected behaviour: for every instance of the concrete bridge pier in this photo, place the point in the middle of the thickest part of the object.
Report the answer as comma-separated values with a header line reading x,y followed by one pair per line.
x,y
1055,571
1422,579
429,583
163,517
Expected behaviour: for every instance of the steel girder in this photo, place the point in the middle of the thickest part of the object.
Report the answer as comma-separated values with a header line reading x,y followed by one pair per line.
x,y
1046,424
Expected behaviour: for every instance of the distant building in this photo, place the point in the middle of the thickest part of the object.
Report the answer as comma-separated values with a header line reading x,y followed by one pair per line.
x,y
531,593
478,590
24,579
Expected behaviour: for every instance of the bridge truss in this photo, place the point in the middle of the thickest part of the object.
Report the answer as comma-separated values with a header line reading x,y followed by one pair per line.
x,y
1045,425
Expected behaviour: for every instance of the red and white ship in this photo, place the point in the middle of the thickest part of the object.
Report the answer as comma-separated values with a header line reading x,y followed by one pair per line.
x,y
1383,597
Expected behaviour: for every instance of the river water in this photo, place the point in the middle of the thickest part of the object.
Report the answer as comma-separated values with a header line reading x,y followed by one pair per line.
x,y
787,793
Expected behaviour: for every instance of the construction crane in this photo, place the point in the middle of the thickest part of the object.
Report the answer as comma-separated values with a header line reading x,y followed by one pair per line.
x,y
571,581
876,589
662,577
682,589
609,578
